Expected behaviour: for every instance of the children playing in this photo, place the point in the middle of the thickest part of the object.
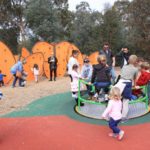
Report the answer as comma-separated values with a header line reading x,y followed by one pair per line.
x,y
74,84
35,70
113,111
1,78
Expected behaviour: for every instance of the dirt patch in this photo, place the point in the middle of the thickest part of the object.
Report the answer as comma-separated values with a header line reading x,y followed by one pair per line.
x,y
18,97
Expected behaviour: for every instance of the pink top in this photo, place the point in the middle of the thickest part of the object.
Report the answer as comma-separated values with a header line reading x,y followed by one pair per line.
x,y
113,110
74,84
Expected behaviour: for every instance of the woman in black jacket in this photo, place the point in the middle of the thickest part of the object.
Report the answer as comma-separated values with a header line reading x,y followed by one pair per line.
x,y
101,74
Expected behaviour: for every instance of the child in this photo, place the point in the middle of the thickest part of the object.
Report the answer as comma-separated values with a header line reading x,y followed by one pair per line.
x,y
1,78
143,78
23,77
86,71
1,95
74,84
36,72
113,111
72,60
101,75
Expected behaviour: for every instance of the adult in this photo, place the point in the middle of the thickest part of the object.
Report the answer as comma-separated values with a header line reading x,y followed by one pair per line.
x,y
52,60
16,70
123,56
111,61
72,61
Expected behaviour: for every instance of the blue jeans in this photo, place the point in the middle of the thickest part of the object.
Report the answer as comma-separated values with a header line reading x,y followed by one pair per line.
x,y
112,73
127,92
113,125
15,80
102,85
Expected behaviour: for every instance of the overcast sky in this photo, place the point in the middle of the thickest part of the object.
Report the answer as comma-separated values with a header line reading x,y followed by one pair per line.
x,y
94,4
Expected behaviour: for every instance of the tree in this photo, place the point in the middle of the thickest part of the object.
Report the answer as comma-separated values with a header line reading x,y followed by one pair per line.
x,y
85,32
112,29
48,19
12,21
139,26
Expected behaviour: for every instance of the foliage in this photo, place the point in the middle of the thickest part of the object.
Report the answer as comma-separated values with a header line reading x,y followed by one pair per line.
x,y
24,22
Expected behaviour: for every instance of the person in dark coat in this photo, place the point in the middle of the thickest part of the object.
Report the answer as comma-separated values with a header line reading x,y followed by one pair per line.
x,y
53,66
123,56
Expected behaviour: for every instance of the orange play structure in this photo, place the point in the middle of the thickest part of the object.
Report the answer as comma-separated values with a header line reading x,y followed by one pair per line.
x,y
63,53
45,48
93,58
61,50
40,53
7,60
24,52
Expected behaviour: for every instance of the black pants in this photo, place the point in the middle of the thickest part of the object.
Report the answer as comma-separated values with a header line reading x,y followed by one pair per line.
x,y
1,83
53,71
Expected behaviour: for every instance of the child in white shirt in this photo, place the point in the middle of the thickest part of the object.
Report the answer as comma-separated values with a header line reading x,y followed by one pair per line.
x,y
35,70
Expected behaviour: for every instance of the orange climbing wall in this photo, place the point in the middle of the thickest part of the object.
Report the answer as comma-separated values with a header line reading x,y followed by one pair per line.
x,y
45,48
61,54
16,57
24,52
93,58
7,60
36,58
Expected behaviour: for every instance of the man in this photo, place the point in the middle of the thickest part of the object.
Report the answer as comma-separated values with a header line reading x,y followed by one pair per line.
x,y
123,56
52,66
110,59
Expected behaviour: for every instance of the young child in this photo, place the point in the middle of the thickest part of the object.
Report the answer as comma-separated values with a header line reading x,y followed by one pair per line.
x,y
86,74
74,84
1,95
113,111
101,75
143,78
1,78
72,60
35,70
23,77
86,71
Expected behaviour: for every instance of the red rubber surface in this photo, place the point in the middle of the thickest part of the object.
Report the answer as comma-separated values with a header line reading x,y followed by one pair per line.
x,y
63,133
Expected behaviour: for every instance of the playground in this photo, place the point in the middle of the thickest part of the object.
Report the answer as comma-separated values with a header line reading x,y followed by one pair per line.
x,y
46,119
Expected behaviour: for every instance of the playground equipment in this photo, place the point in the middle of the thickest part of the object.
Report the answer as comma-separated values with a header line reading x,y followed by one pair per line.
x,y
93,58
7,60
24,53
41,52
45,48
94,109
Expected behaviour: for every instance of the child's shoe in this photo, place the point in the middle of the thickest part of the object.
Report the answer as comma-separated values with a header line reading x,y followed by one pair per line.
x,y
121,134
113,135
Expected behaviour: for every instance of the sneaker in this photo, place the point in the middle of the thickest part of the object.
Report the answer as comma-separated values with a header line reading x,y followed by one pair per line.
x,y
96,95
113,135
121,134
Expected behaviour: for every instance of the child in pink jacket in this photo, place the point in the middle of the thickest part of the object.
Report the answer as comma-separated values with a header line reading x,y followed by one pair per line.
x,y
113,111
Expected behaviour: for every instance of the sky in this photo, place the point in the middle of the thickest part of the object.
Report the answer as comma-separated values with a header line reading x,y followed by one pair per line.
x,y
94,4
